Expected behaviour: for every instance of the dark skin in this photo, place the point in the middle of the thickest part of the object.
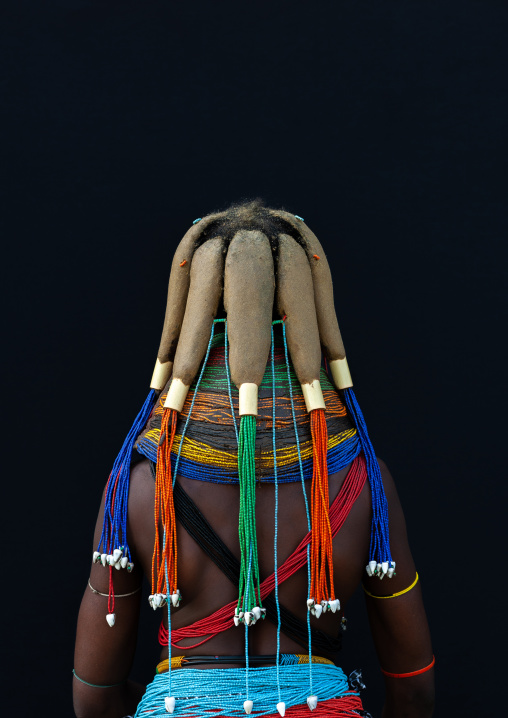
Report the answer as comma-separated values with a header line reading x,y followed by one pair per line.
x,y
104,655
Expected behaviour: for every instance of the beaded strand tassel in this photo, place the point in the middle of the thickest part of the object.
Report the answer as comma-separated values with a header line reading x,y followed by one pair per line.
x,y
322,589
249,596
164,582
380,558
164,563
311,699
281,706
113,550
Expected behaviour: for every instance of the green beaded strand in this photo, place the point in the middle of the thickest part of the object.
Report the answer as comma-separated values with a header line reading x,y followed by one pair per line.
x,y
248,589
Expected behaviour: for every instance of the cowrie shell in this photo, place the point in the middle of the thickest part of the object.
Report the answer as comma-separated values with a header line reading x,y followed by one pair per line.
x,y
169,703
312,702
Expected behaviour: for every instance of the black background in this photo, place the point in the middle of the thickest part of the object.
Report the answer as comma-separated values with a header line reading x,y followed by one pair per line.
x,y
383,124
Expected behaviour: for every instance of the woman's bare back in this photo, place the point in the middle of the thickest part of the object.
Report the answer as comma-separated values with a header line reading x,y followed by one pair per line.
x,y
205,588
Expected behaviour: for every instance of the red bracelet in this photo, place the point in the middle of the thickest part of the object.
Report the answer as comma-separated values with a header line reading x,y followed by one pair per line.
x,y
413,673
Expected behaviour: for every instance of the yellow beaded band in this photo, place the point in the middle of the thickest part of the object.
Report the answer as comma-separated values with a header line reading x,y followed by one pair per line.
x,y
179,661
393,595
176,662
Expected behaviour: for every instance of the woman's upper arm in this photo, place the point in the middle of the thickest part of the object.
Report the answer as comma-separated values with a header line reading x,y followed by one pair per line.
x,y
103,655
399,625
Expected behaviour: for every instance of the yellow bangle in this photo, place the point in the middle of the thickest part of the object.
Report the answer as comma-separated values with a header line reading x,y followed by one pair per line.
x,y
393,595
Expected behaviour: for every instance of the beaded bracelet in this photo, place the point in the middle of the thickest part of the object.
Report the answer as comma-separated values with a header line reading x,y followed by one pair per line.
x,y
393,595
118,595
95,685
411,673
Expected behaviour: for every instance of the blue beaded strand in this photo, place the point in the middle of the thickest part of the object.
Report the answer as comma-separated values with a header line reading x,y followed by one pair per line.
x,y
175,469
275,540
307,512
228,377
169,623
380,533
114,527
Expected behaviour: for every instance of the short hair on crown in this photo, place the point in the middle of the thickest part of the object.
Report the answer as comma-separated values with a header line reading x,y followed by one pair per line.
x,y
251,215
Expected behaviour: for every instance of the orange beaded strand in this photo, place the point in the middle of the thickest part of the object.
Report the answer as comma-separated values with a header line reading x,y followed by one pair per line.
x,y
164,511
321,554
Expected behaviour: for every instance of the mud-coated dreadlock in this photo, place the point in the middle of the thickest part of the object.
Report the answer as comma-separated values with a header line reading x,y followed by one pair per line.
x,y
267,228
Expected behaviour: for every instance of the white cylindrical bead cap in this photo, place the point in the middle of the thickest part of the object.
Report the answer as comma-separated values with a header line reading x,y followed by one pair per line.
x,y
313,396
177,395
341,374
161,374
248,399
